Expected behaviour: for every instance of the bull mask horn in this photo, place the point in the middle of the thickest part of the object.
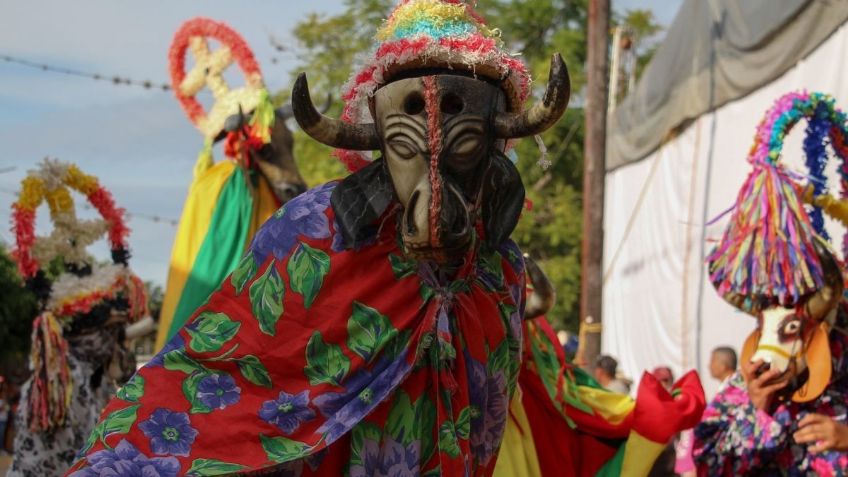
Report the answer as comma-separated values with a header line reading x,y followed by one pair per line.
x,y
285,111
543,114
332,132
825,300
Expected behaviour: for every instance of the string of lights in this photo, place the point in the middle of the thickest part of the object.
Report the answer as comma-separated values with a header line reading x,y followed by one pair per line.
x,y
114,79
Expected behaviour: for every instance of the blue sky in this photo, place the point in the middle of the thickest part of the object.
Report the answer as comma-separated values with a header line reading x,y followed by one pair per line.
x,y
138,142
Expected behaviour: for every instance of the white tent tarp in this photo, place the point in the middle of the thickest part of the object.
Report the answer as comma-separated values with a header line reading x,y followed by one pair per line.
x,y
659,308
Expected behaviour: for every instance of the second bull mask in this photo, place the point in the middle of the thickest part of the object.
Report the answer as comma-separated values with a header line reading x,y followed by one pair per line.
x,y
442,131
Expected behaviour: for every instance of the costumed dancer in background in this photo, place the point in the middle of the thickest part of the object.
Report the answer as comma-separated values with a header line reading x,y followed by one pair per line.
x,y
374,326
230,199
562,422
782,414
78,356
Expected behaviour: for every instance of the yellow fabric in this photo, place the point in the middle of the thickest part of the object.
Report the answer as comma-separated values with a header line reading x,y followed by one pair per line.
x,y
265,206
613,407
194,223
517,457
640,454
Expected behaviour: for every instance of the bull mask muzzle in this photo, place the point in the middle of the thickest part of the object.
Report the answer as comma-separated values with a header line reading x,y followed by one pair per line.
x,y
442,136
795,340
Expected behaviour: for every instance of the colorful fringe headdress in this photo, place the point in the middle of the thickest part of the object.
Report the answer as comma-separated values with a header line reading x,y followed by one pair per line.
x,y
767,254
75,293
207,72
426,34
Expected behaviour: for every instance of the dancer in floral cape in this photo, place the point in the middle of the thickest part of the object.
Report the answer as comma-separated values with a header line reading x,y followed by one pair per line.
x,y
78,355
229,199
374,326
781,413
562,422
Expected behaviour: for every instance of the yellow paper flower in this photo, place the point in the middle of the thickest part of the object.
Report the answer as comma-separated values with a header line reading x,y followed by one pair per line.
x,y
32,193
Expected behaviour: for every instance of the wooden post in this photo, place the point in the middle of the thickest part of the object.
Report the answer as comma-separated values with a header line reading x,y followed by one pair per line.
x,y
591,286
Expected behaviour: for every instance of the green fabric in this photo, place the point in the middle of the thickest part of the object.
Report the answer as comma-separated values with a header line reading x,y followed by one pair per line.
x,y
222,248
613,467
582,378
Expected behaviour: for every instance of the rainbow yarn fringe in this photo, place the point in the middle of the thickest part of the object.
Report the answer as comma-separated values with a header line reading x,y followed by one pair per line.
x,y
766,253
50,392
431,34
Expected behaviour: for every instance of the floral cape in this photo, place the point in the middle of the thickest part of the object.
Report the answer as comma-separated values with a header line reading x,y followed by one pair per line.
x,y
735,438
315,360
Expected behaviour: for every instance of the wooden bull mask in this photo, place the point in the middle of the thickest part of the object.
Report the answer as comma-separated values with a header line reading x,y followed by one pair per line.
x,y
442,135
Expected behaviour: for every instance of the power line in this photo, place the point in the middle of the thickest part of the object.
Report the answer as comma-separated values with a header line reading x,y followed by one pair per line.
x,y
114,79
130,215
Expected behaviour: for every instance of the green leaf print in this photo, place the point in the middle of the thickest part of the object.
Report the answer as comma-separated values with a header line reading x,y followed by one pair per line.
x,y
209,467
244,272
447,439
280,449
133,390
254,371
210,331
401,422
325,363
425,422
307,268
190,392
499,358
402,268
368,331
178,360
120,421
266,298
363,431
463,424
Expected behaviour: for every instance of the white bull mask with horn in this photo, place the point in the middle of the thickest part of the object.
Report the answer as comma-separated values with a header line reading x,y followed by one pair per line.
x,y
794,340
442,134
773,261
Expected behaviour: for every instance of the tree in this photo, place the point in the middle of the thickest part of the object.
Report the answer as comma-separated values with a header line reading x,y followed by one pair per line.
x,y
18,308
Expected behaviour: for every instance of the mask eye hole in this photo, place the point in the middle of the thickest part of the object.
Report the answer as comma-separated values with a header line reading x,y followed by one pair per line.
x,y
792,327
452,104
413,104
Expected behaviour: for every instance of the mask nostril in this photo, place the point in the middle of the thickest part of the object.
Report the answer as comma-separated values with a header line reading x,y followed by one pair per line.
x,y
409,215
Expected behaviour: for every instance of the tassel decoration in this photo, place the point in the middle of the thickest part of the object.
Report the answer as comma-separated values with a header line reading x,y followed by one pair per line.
x,y
50,392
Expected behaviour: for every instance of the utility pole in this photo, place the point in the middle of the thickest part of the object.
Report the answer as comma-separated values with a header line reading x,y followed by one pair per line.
x,y
594,151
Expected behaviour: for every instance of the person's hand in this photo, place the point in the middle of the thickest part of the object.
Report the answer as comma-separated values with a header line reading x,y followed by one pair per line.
x,y
761,393
823,433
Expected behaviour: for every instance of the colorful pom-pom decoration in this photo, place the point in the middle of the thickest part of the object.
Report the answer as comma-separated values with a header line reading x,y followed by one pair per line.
x,y
766,255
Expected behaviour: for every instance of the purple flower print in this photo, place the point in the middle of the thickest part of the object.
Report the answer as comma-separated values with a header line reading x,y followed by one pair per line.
x,y
393,459
170,432
218,391
177,342
305,215
363,391
126,461
288,411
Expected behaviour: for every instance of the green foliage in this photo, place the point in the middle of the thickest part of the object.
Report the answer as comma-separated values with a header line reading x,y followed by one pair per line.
x,y
17,310
330,48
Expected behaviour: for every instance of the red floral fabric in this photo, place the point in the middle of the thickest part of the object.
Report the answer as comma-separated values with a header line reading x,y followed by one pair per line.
x,y
314,360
